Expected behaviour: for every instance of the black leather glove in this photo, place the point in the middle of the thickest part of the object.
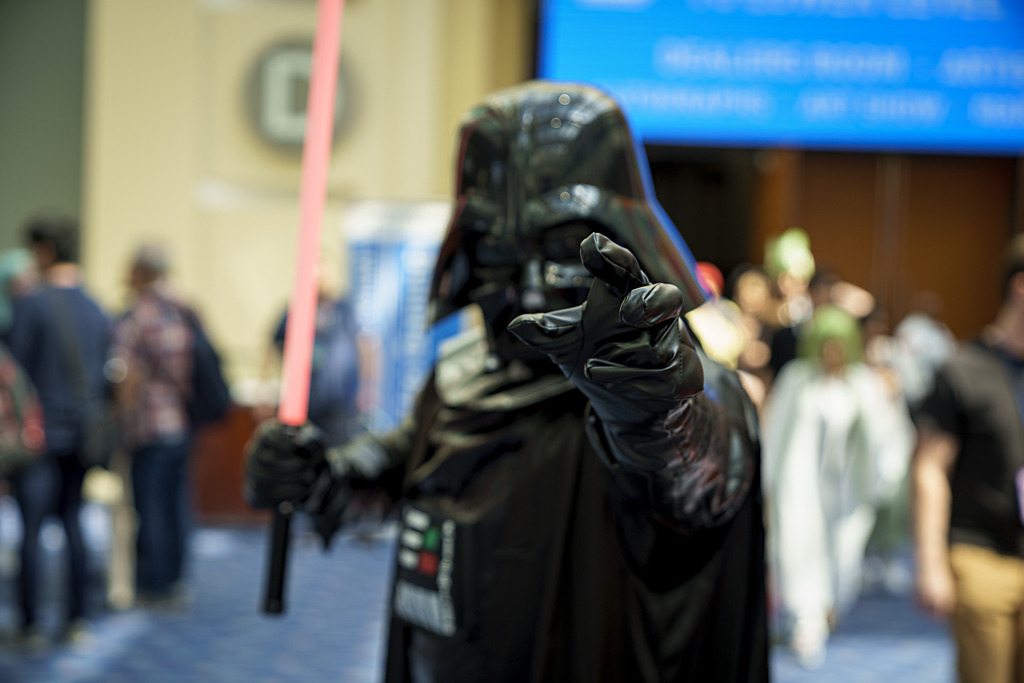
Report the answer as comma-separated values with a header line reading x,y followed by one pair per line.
x,y
283,464
625,348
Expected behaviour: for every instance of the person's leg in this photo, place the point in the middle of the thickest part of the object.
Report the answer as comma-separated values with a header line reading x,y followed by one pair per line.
x,y
1018,640
803,564
121,571
69,506
156,500
984,619
35,490
849,538
146,485
180,516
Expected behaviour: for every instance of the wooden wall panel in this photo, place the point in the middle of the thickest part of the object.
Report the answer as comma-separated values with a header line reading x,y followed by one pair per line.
x,y
218,464
959,216
900,224
838,211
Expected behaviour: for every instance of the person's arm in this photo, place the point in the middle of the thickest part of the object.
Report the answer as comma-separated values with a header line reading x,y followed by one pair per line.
x,y
284,464
681,456
23,336
930,499
122,370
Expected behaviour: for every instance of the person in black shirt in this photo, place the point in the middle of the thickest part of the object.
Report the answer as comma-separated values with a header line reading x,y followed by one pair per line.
x,y
968,480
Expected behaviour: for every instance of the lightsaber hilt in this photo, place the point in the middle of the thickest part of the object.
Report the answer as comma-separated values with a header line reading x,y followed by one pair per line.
x,y
280,541
277,562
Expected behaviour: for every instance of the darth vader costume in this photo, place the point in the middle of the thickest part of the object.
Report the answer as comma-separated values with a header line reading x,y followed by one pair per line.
x,y
578,486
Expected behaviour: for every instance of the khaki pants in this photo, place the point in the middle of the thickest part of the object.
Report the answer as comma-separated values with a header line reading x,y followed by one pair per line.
x,y
988,624
113,488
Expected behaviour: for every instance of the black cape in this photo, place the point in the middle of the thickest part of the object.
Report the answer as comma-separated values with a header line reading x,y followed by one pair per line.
x,y
521,559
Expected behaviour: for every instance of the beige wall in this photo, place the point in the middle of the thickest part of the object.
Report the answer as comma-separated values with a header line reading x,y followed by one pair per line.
x,y
170,152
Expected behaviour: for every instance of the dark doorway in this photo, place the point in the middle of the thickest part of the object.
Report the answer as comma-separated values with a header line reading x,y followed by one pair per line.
x,y
708,194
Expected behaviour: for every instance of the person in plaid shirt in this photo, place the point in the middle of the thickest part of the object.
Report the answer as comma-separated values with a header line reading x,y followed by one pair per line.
x,y
152,366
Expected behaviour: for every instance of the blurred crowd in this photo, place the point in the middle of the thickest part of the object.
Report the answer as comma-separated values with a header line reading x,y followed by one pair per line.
x,y
113,392
835,382
106,405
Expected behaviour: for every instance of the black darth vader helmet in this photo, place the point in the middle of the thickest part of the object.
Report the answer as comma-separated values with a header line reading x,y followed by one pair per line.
x,y
539,167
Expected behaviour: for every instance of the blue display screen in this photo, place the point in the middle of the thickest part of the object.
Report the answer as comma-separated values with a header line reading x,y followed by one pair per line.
x,y
914,75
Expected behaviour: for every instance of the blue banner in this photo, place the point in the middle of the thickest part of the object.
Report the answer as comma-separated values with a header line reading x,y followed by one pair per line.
x,y
392,250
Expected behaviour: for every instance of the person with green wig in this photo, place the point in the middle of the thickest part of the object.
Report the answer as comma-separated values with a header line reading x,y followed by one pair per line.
x,y
827,427
833,339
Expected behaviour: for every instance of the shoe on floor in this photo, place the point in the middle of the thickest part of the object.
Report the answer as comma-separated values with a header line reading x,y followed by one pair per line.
x,y
808,646
170,601
78,632
31,639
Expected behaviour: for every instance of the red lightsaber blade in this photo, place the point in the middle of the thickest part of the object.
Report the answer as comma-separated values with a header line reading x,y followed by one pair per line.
x,y
301,326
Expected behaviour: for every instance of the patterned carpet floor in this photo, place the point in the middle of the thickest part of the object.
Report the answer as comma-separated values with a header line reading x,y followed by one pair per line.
x,y
332,628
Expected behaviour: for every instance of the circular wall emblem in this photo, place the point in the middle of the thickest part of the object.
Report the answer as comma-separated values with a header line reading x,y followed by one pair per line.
x,y
277,91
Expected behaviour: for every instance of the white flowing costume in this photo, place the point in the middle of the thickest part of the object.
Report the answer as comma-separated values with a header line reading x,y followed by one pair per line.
x,y
834,447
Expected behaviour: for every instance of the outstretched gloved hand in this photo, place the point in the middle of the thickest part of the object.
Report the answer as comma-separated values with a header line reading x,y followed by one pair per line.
x,y
625,348
283,463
